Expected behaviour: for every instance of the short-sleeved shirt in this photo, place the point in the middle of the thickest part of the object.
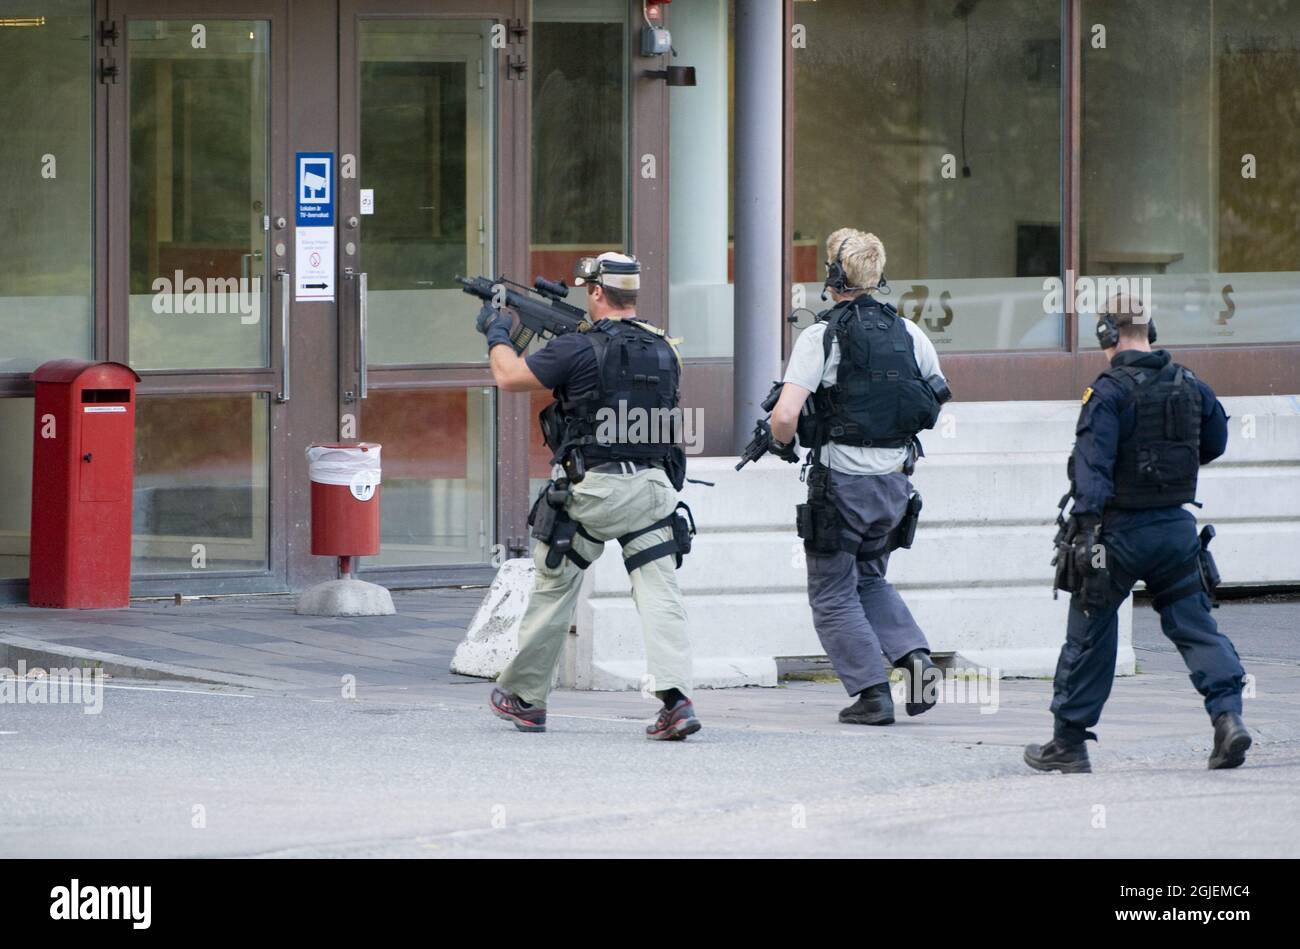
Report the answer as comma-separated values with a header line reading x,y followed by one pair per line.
x,y
566,365
810,368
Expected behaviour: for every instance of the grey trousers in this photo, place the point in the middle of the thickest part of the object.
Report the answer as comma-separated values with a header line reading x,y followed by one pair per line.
x,y
857,613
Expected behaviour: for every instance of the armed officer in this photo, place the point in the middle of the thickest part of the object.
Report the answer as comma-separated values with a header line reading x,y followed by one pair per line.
x,y
875,383
620,481
1146,426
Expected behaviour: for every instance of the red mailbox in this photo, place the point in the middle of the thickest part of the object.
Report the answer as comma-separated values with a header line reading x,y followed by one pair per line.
x,y
82,467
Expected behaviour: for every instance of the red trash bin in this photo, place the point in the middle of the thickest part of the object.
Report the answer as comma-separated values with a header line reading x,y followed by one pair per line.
x,y
83,464
345,483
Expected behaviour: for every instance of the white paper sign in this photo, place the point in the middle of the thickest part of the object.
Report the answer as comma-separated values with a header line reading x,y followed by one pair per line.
x,y
314,265
367,200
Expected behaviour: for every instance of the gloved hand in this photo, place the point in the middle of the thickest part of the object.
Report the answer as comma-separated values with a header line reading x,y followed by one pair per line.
x,y
1084,537
784,451
494,324
1088,558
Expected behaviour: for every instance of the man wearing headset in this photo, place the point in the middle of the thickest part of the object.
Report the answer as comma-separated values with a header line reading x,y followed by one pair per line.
x,y
875,382
618,482
1145,428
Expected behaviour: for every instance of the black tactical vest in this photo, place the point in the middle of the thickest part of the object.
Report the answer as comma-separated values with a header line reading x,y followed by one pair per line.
x,y
633,415
1157,465
879,398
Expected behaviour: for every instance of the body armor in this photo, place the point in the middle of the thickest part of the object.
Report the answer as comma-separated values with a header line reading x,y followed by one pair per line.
x,y
880,398
1157,465
633,415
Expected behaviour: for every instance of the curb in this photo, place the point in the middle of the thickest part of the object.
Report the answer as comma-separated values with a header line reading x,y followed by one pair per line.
x,y
37,653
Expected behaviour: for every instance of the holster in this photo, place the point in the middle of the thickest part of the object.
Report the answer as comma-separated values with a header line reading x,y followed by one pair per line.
x,y
551,524
907,526
818,522
1209,570
682,522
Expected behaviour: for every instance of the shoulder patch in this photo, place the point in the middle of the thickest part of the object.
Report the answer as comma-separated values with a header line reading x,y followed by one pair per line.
x,y
1087,394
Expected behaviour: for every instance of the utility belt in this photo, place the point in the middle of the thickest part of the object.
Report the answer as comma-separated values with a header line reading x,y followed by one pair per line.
x,y
1091,584
623,467
552,525
821,526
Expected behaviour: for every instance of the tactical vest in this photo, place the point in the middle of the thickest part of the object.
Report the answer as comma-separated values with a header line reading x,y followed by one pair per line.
x,y
879,399
1157,465
633,415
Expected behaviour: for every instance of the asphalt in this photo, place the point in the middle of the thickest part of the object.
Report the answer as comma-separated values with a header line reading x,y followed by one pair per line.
x,y
277,762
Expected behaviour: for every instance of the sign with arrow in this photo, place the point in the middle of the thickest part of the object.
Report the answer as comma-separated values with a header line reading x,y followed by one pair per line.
x,y
314,258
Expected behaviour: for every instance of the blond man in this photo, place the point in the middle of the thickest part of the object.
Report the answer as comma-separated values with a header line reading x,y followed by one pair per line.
x,y
874,381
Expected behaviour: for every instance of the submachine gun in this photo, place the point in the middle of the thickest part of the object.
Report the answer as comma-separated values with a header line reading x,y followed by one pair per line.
x,y
761,443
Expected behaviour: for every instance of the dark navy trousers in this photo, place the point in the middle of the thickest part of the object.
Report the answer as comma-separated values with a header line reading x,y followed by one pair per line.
x,y
1160,547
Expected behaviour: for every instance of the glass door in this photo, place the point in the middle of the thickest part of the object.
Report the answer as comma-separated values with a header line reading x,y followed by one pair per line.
x,y
195,209
420,135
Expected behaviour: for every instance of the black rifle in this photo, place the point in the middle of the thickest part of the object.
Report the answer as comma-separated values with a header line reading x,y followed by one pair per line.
x,y
545,317
761,443
1065,578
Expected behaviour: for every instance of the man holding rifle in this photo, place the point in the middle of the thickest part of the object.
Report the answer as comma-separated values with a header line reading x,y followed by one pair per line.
x,y
618,482
874,383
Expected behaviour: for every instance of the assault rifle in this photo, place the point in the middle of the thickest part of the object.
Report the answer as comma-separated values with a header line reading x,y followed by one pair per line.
x,y
541,307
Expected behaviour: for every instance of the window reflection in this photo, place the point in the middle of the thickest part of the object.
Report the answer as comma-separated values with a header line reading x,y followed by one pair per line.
x,y
936,125
47,174
1189,173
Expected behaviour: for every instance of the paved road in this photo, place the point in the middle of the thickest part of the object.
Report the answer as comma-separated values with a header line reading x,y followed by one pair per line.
x,y
425,772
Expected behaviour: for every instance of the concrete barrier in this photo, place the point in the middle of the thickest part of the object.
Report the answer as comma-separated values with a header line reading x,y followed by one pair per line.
x,y
977,578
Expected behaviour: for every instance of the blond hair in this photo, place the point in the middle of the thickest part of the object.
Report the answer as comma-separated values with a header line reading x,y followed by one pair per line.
x,y
861,254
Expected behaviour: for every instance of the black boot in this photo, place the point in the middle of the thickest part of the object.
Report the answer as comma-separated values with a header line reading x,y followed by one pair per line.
x,y
1058,755
922,685
875,706
1231,739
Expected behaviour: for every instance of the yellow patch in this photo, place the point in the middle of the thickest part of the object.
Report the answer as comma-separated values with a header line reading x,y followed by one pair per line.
x,y
1087,394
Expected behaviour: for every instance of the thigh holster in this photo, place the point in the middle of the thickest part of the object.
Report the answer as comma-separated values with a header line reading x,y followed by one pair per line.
x,y
551,524
682,523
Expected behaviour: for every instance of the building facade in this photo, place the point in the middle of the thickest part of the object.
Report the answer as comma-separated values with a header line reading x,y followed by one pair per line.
x,y
262,205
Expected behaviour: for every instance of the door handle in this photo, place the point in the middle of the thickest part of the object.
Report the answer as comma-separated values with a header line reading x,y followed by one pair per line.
x,y
363,294
282,276
246,266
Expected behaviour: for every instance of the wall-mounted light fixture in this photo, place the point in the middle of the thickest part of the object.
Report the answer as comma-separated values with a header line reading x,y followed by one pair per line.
x,y
673,75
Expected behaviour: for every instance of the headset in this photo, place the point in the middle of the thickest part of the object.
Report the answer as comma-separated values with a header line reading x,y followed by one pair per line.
x,y
1108,331
838,281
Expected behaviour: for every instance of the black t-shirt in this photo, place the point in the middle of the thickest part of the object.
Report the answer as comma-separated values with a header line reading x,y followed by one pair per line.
x,y
566,365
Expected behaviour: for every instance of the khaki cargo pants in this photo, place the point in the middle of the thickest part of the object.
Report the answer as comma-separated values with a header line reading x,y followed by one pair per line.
x,y
607,506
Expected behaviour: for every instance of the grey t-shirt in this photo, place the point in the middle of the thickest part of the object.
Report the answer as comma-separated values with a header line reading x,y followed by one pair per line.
x,y
809,369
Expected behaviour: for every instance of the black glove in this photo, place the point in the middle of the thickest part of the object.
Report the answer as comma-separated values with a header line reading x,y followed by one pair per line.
x,y
1088,558
495,325
783,450
1084,536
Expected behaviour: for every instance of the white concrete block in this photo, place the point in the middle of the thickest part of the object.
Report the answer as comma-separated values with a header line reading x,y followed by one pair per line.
x,y
978,578
346,598
493,636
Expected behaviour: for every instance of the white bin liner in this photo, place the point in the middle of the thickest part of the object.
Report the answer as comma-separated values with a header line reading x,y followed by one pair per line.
x,y
354,466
